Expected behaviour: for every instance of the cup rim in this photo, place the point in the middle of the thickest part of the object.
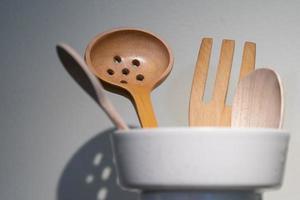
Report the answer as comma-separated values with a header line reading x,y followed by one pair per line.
x,y
200,130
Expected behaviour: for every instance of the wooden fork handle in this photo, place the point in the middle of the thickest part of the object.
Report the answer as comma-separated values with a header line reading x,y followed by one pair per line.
x,y
144,109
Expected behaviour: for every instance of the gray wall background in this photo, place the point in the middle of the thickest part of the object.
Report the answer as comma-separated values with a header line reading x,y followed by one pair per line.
x,y
45,117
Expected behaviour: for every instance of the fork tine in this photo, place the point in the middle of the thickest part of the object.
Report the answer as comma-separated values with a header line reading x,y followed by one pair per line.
x,y
248,60
196,112
201,70
223,72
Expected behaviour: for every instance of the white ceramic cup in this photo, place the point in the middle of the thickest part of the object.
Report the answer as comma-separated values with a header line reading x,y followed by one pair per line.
x,y
179,158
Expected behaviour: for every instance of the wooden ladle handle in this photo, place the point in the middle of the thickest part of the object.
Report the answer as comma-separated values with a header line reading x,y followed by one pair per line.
x,y
144,109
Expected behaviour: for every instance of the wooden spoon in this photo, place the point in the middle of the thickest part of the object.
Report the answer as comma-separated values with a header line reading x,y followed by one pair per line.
x,y
133,60
79,71
216,112
258,101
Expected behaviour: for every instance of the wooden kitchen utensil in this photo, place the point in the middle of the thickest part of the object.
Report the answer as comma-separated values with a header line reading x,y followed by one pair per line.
x,y
79,71
216,112
133,60
258,101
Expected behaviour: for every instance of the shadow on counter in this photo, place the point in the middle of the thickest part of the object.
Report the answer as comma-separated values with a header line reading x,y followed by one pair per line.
x,y
90,174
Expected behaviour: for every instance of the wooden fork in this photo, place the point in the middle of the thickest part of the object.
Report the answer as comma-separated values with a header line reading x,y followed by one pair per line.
x,y
216,112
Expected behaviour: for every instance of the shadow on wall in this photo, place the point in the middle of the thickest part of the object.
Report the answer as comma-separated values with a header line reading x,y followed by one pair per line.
x,y
90,174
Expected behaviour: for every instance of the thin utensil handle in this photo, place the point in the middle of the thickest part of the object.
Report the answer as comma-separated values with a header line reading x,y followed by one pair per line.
x,y
144,109
109,109
101,98
104,102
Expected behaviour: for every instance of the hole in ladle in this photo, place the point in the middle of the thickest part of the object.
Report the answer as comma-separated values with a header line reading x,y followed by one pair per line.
x,y
125,71
140,77
123,81
117,59
110,72
136,62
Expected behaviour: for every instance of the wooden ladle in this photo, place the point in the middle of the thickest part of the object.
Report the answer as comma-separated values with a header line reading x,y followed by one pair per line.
x,y
134,60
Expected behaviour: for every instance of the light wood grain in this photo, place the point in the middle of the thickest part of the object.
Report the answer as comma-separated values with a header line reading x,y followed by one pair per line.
x,y
223,72
199,82
216,112
248,59
258,101
79,71
133,60
201,72
213,113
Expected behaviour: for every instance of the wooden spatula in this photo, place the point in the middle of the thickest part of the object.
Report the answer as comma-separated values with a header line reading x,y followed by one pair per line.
x,y
258,101
216,112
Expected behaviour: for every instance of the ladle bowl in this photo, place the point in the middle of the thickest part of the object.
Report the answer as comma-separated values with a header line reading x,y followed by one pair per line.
x,y
132,59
